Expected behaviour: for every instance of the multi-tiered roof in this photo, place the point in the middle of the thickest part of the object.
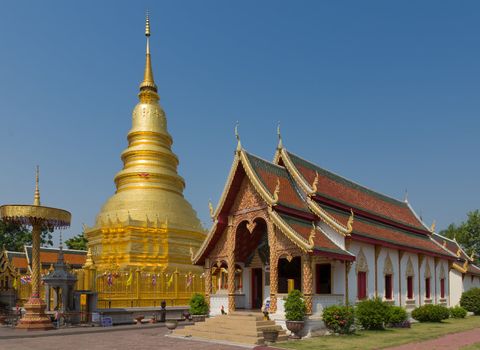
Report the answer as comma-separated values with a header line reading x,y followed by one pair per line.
x,y
301,195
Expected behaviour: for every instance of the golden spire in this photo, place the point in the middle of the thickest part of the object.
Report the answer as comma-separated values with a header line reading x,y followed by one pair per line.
x,y
148,83
36,197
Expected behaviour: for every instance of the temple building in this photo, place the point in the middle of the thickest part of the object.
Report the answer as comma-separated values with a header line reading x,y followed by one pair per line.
x,y
288,223
147,224
464,274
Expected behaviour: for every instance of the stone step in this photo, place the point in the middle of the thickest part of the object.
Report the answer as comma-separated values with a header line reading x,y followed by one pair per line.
x,y
233,321
237,327
210,335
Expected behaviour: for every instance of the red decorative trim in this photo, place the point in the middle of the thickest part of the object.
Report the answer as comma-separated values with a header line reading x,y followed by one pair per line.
x,y
344,257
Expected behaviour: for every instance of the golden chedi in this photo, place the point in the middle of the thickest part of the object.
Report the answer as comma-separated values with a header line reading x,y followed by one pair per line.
x,y
147,223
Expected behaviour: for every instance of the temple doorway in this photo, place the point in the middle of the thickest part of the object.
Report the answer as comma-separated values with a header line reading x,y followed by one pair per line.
x,y
257,288
289,272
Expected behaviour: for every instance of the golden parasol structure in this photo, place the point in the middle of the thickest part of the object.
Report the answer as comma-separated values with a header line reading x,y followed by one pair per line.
x,y
38,217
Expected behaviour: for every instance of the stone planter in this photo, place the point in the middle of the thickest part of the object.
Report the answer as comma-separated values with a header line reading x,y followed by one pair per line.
x,y
199,318
295,327
171,324
270,335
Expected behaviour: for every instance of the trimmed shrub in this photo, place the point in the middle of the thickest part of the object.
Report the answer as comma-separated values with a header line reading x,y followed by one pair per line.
x,y
198,305
430,313
470,300
397,314
372,314
295,307
458,312
339,319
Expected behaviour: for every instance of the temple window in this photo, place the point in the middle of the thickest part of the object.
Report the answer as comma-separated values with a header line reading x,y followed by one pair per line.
x,y
289,274
428,275
323,274
388,287
410,274
427,288
442,288
388,273
362,269
361,285
410,287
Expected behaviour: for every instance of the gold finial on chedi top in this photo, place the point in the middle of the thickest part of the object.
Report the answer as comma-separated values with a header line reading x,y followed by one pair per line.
x,y
148,87
36,196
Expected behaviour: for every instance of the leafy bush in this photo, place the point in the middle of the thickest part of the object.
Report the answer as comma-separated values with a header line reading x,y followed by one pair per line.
x,y
470,300
338,319
373,313
430,313
198,305
397,314
458,312
295,308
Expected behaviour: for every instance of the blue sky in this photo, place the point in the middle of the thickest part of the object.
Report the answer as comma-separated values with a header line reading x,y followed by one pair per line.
x,y
383,93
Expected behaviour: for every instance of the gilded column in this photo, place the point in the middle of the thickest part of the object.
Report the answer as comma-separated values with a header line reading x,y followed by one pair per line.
x,y
231,265
36,229
272,241
208,281
307,282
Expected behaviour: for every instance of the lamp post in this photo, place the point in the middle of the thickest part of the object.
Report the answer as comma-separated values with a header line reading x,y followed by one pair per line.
x,y
38,217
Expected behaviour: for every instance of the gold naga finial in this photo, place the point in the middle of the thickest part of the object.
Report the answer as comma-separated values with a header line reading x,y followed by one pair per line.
x,y
280,143
237,136
465,265
36,196
350,222
472,256
210,208
459,252
276,191
148,82
315,183
432,227
311,238
444,244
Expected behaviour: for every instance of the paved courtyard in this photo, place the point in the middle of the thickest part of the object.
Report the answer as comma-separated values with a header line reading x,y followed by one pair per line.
x,y
138,339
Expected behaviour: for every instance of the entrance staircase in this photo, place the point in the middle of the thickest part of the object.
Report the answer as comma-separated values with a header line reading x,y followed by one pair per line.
x,y
237,327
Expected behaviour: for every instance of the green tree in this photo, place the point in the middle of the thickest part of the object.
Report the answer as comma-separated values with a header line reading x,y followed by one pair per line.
x,y
14,236
467,233
78,242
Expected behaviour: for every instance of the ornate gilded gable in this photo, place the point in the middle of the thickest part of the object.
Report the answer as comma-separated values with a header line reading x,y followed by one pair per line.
x,y
247,198
409,272
388,267
361,265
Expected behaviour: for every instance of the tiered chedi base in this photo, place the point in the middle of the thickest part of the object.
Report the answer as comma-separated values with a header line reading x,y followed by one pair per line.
x,y
237,327
35,317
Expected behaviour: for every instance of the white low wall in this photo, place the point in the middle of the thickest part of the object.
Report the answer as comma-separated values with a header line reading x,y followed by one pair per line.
x,y
322,301
216,303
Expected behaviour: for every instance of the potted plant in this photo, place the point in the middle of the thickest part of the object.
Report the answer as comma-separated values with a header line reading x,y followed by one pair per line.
x,y
198,307
270,335
295,310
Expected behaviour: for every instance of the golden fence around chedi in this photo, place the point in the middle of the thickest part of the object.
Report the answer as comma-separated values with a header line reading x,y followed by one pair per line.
x,y
131,289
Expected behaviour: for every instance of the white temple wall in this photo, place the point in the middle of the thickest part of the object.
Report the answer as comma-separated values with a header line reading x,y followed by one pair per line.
x,y
338,275
456,287
470,281
409,264
368,252
442,265
383,266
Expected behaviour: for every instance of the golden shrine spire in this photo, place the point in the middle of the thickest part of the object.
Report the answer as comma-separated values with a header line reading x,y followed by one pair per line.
x,y
36,196
148,84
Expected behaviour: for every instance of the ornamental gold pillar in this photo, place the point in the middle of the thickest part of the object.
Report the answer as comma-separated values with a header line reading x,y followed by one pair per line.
x,y
307,282
272,242
208,281
231,266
